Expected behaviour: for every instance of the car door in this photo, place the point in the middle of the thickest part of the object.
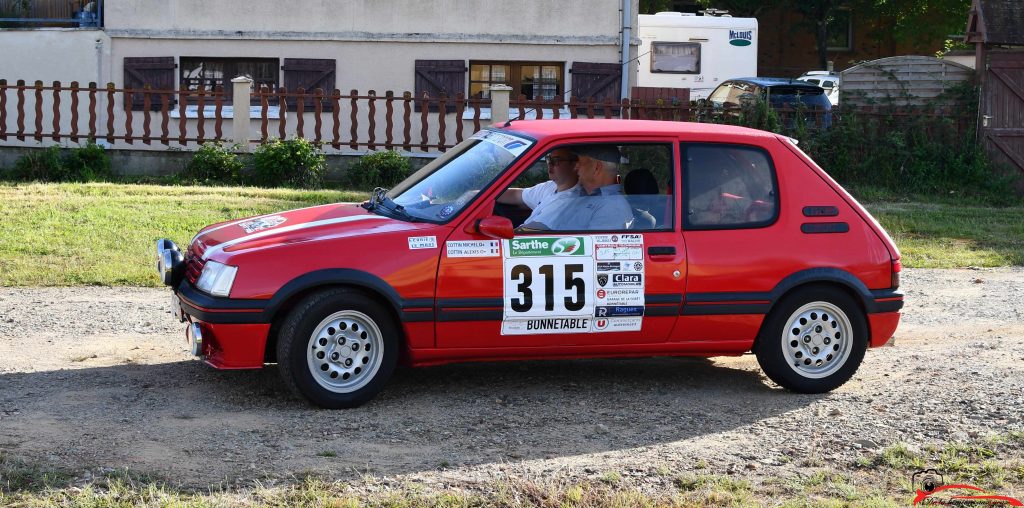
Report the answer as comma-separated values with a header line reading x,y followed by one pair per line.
x,y
578,287
730,203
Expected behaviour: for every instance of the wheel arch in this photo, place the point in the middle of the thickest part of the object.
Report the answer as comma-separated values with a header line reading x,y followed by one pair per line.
x,y
295,290
820,277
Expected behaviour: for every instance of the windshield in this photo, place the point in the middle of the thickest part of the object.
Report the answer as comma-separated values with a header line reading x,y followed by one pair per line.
x,y
442,188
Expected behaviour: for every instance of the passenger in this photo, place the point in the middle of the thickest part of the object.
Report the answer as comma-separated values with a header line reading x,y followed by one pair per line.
x,y
544,198
601,204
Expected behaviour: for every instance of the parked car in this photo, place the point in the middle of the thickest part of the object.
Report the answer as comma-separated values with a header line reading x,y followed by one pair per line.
x,y
830,81
780,93
738,242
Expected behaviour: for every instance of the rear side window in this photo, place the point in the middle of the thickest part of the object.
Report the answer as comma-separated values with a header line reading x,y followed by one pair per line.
x,y
728,187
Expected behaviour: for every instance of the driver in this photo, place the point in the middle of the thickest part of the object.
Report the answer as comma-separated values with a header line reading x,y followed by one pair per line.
x,y
544,198
599,203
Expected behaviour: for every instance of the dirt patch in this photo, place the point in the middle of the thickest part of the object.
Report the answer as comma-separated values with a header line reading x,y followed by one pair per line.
x,y
99,378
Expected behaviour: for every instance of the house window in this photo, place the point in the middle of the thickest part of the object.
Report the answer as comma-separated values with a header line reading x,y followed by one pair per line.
x,y
675,57
532,79
840,31
205,73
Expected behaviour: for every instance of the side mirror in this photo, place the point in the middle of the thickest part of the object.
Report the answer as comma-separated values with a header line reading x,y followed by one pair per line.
x,y
495,227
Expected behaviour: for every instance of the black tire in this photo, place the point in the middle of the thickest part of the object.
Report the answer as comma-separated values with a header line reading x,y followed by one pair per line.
x,y
818,356
349,362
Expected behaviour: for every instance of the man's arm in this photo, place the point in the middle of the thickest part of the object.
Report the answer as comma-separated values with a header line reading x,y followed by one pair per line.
x,y
512,196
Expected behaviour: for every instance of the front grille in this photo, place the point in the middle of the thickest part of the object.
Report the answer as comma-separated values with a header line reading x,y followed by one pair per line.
x,y
194,261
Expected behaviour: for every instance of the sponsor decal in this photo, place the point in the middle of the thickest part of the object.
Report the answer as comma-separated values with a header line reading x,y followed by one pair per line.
x,y
446,211
623,324
638,266
627,280
547,325
473,249
600,324
546,246
601,294
932,491
609,266
619,252
619,311
602,279
512,144
741,37
422,242
262,223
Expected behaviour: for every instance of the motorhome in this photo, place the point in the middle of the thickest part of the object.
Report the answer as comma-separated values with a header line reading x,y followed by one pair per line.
x,y
682,50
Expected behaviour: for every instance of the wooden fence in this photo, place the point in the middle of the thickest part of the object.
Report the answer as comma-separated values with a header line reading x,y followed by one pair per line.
x,y
128,118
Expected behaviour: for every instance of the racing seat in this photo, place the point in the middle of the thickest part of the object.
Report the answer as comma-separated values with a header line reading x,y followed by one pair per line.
x,y
642,193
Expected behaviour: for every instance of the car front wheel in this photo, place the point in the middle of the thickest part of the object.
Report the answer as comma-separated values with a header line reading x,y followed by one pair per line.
x,y
337,348
813,341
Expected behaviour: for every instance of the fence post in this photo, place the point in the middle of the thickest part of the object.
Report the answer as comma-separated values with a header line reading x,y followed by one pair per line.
x,y
499,103
240,112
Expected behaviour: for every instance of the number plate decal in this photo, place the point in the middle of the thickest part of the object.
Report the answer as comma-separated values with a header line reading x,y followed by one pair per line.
x,y
557,284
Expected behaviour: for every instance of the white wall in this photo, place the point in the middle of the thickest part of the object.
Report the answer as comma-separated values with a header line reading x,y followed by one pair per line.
x,y
360,18
54,54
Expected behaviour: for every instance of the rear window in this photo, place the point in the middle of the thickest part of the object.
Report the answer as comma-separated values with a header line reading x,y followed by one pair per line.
x,y
791,96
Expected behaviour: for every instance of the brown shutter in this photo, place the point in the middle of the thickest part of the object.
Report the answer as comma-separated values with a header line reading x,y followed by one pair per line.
x,y
597,80
310,74
157,72
440,76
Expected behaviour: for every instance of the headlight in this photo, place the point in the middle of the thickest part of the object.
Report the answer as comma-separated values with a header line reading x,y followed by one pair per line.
x,y
216,278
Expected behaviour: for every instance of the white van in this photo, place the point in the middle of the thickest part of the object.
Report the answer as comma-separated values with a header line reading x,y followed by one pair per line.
x,y
830,81
681,50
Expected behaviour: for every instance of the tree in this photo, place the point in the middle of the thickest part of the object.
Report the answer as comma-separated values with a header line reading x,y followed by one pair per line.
x,y
654,6
906,20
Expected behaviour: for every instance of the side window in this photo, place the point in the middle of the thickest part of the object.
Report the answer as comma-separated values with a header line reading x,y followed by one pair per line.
x,y
728,187
600,187
675,57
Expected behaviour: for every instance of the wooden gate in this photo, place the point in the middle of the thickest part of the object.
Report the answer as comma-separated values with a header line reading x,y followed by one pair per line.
x,y
1002,112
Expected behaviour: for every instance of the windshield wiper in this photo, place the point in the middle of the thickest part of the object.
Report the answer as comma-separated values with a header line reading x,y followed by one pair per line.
x,y
380,200
375,198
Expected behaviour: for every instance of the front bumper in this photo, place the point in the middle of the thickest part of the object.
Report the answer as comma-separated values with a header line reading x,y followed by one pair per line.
x,y
225,338
226,333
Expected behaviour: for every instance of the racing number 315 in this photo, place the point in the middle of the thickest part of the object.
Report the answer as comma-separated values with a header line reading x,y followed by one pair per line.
x,y
524,276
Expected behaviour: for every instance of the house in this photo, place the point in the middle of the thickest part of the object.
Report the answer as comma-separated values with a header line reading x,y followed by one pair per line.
x,y
541,49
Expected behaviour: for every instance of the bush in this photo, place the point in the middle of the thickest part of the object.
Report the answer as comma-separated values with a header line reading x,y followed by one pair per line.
x,y
213,163
912,155
86,164
378,169
293,163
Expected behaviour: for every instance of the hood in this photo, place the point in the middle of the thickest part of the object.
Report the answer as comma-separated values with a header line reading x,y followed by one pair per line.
x,y
293,226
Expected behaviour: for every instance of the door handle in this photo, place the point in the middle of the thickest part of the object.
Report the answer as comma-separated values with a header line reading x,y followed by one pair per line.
x,y
661,251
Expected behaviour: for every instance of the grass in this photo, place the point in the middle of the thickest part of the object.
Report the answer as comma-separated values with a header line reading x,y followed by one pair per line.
x,y
103,233
953,235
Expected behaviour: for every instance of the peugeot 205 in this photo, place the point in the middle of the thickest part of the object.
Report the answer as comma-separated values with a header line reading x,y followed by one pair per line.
x,y
721,240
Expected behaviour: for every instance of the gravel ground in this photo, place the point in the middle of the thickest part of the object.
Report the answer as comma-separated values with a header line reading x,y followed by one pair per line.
x,y
94,378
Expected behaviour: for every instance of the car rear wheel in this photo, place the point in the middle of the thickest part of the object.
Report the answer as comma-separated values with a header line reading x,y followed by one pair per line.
x,y
337,348
813,341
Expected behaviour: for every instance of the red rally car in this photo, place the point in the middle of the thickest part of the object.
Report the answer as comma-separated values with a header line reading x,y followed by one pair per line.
x,y
735,241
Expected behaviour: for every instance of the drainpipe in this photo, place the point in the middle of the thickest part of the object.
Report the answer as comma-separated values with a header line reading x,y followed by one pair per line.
x,y
627,36
99,61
